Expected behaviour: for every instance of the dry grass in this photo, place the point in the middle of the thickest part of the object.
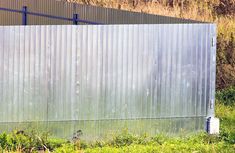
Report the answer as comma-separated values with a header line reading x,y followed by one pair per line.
x,y
161,7
205,10
197,10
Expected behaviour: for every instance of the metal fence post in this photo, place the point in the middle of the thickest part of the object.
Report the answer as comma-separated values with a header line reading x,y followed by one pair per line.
x,y
24,15
75,19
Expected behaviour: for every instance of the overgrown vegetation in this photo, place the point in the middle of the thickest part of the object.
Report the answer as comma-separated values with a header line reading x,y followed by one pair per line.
x,y
225,110
32,141
226,96
28,141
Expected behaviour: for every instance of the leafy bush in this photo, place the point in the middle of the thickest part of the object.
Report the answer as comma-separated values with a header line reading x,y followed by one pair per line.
x,y
123,139
226,96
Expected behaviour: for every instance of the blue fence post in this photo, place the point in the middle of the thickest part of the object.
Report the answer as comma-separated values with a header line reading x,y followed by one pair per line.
x,y
24,15
75,19
24,11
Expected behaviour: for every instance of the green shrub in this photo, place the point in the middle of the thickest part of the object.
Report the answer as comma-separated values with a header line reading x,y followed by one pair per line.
x,y
27,141
55,143
123,139
226,96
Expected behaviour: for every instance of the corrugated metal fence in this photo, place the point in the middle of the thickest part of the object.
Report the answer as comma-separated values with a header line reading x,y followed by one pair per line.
x,y
86,12
103,74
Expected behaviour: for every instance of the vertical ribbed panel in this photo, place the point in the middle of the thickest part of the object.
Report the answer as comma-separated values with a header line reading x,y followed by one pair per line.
x,y
86,12
116,73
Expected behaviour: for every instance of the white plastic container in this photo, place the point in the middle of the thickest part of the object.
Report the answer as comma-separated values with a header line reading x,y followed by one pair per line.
x,y
212,125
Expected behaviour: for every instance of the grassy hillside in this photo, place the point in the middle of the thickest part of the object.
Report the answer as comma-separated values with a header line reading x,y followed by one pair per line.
x,y
221,12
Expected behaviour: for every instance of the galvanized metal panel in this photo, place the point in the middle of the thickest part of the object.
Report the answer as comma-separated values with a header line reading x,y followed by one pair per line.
x,y
93,75
86,12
